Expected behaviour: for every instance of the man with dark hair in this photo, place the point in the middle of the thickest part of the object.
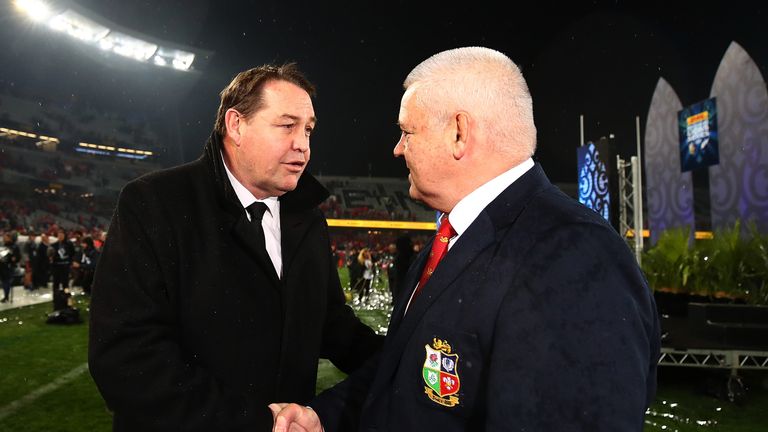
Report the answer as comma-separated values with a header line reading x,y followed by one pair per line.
x,y
216,292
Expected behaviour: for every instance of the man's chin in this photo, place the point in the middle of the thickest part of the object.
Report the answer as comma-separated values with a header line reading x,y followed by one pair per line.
x,y
289,185
414,194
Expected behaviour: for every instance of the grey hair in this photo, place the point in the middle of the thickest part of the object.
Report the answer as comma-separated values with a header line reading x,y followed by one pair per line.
x,y
485,83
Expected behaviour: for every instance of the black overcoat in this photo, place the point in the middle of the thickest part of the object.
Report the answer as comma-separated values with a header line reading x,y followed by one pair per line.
x,y
190,328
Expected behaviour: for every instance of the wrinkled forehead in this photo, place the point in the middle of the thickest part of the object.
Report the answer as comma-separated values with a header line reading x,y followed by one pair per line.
x,y
283,98
408,105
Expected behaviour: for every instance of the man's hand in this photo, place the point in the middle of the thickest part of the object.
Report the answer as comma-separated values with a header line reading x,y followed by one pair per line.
x,y
294,418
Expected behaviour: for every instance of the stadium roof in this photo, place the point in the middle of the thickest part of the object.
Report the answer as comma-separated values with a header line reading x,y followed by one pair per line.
x,y
597,59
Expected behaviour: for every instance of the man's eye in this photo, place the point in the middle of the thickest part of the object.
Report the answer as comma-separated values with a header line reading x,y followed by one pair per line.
x,y
308,131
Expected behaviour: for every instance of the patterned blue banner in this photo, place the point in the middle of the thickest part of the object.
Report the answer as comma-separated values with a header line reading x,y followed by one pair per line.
x,y
594,190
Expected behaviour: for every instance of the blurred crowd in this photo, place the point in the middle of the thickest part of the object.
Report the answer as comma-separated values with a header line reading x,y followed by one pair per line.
x,y
54,257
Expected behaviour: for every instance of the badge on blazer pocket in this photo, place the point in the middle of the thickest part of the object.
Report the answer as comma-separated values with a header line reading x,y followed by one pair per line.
x,y
448,369
441,374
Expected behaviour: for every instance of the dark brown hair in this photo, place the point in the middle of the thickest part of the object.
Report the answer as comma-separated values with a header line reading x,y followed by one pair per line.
x,y
245,92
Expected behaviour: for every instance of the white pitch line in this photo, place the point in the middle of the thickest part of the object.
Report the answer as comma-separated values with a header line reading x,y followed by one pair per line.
x,y
34,394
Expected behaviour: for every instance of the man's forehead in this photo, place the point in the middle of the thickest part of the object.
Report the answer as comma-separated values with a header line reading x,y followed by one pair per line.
x,y
311,119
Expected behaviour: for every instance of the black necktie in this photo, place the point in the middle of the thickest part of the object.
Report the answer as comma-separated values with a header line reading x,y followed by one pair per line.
x,y
256,210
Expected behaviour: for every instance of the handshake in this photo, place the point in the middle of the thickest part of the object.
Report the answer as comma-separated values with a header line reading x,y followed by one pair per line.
x,y
291,417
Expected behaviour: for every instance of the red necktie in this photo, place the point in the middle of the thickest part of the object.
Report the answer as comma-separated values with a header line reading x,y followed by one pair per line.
x,y
439,249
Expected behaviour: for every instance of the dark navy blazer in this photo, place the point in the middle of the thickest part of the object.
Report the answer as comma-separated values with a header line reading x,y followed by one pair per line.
x,y
550,322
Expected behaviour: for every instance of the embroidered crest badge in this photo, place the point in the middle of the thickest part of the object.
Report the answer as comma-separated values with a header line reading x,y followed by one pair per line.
x,y
441,374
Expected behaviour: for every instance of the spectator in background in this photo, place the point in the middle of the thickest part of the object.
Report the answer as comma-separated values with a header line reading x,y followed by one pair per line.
x,y
389,264
366,263
89,257
355,270
40,261
10,256
76,273
26,258
62,253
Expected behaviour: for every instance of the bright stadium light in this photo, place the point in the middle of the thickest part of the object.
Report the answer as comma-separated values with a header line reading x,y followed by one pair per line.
x,y
99,33
35,9
78,26
129,46
178,59
183,62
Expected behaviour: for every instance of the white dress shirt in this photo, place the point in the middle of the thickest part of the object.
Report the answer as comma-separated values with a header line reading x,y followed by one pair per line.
x,y
270,222
466,211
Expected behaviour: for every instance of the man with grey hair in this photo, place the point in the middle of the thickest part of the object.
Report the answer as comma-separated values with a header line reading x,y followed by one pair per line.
x,y
537,318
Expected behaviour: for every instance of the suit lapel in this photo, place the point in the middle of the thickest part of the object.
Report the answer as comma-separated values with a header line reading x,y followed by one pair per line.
x,y
481,234
293,228
477,237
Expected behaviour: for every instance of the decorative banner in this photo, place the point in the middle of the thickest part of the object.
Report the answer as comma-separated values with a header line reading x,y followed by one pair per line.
x,y
669,191
594,190
698,135
738,185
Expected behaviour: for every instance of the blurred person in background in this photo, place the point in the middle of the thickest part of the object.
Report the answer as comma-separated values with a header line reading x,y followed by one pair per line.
x,y
216,292
355,270
10,257
89,257
365,260
76,273
62,253
40,261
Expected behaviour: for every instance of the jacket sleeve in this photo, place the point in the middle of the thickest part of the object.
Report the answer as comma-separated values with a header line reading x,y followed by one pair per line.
x,y
339,407
576,339
134,353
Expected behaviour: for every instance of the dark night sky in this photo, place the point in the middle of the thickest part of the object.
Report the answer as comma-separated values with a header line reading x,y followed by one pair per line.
x,y
597,59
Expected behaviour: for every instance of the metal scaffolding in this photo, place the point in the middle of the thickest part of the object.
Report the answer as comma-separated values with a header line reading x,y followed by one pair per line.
x,y
631,198
718,359
630,203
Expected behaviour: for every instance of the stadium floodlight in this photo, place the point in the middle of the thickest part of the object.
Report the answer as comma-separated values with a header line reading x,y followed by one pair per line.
x,y
129,46
78,26
36,10
99,33
177,59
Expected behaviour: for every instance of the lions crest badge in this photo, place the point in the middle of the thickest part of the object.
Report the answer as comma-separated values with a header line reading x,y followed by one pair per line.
x,y
440,373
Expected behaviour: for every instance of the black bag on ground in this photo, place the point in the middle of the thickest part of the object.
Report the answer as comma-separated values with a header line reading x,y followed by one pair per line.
x,y
67,315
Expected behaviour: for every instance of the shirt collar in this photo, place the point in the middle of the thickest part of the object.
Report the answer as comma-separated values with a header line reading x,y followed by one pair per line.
x,y
244,195
465,212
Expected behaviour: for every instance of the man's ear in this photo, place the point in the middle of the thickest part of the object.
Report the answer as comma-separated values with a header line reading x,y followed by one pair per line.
x,y
232,122
459,144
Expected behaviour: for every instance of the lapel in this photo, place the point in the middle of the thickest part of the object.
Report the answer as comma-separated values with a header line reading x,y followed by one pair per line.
x,y
293,228
473,241
245,234
481,234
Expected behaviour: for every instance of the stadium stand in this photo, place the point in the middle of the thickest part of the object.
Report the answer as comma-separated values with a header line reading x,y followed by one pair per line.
x,y
378,198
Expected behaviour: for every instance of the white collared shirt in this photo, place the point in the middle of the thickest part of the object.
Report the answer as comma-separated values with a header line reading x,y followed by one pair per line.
x,y
270,222
466,211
